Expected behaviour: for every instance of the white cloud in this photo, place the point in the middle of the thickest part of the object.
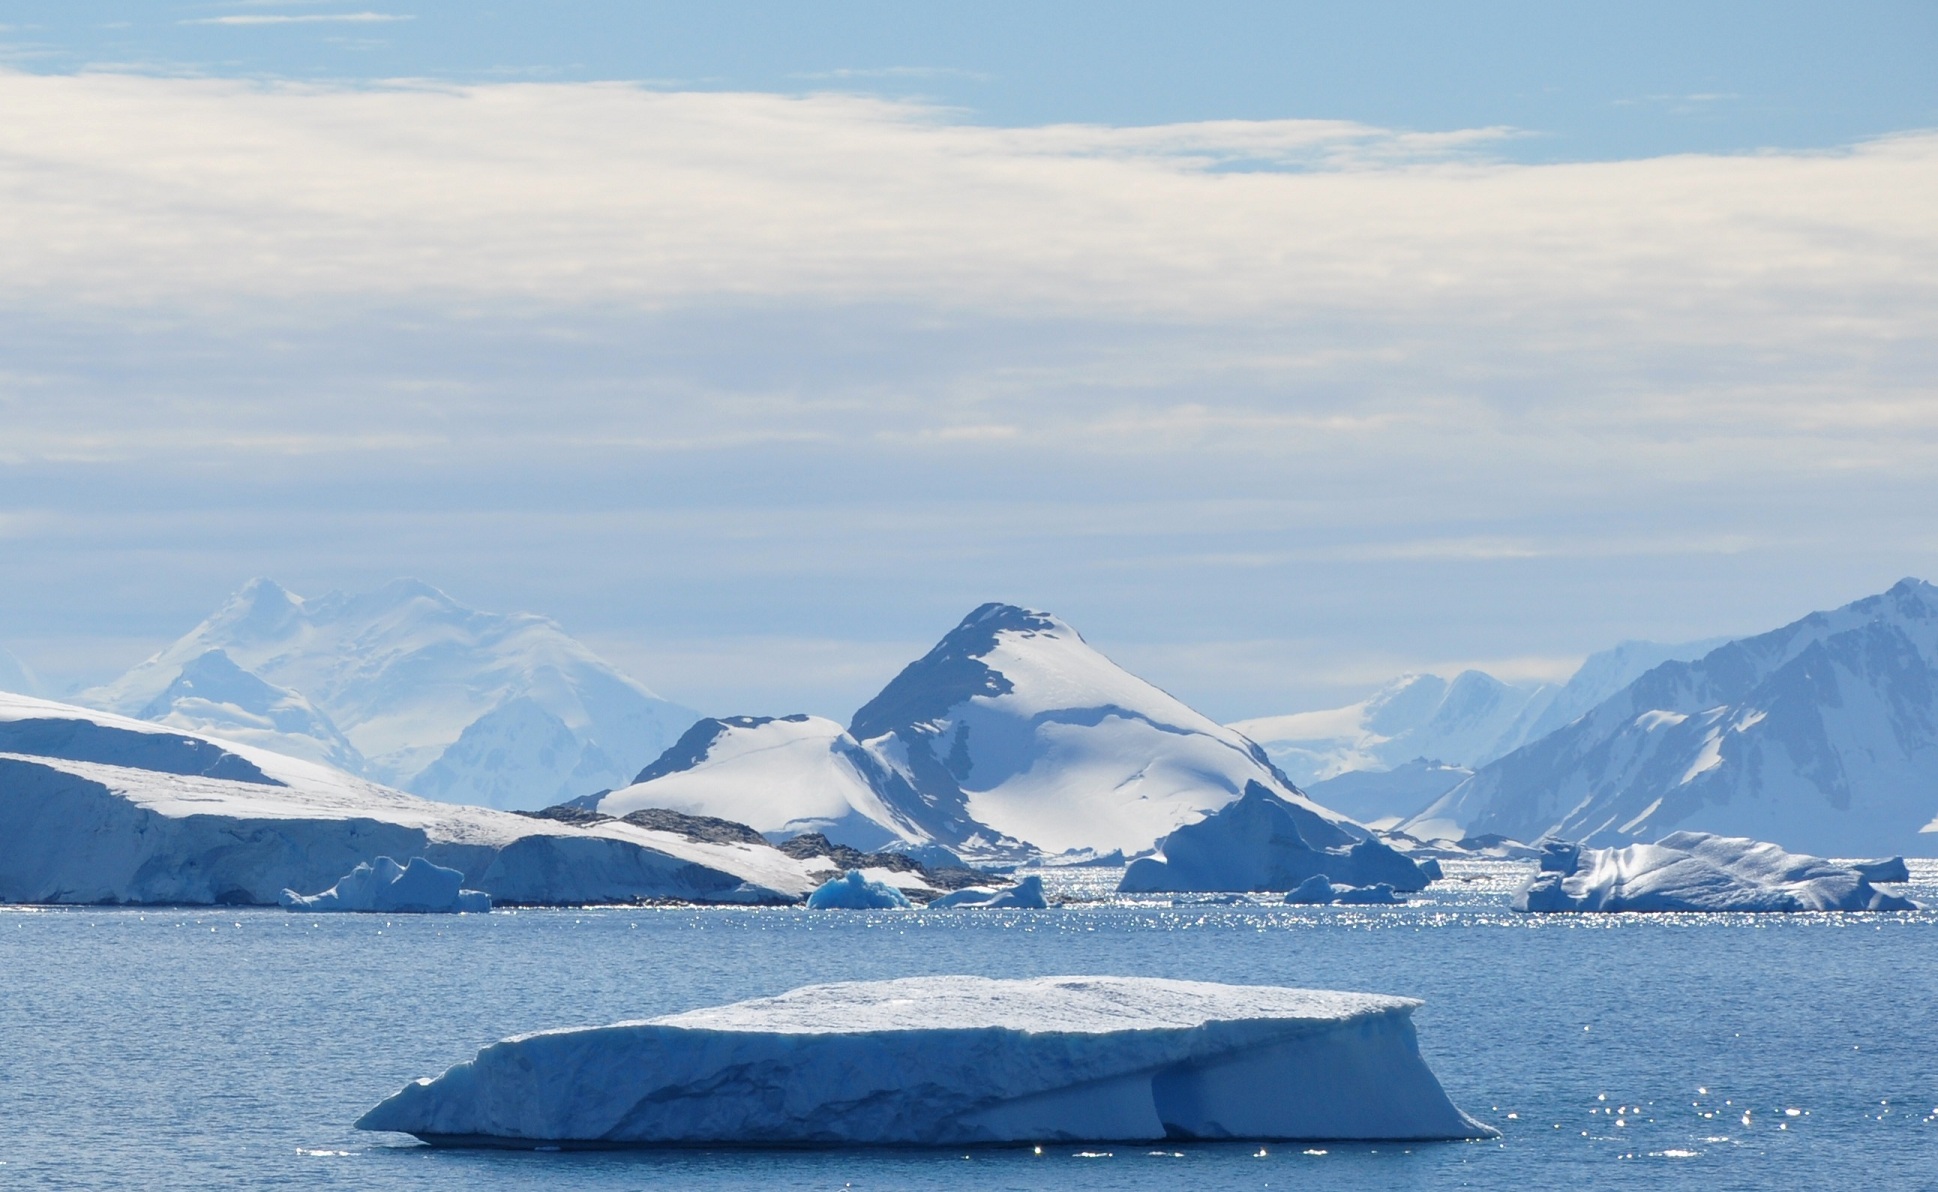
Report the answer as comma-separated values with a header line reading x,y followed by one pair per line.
x,y
309,18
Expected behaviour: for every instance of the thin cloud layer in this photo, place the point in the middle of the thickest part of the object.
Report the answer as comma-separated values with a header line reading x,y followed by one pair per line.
x,y
125,189
836,368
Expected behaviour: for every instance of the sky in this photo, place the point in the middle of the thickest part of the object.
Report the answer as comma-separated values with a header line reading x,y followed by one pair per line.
x,y
1280,348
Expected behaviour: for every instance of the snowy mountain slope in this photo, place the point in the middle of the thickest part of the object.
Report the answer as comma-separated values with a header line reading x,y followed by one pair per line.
x,y
1472,719
1600,676
1468,722
495,709
1821,736
1014,729
1372,796
215,697
785,776
101,808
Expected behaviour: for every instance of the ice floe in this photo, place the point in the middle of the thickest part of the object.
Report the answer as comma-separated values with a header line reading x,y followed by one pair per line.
x,y
1026,895
1318,891
383,885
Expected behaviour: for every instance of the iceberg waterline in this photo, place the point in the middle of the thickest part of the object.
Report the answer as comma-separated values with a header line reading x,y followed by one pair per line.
x,y
953,1061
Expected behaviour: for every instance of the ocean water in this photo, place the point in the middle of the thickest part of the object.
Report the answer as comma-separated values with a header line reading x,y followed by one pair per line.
x,y
185,1048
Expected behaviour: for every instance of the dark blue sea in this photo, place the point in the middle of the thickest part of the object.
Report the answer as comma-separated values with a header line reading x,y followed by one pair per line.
x,y
201,1049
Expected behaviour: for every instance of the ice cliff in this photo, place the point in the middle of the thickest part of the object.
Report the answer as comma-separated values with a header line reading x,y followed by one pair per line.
x,y
97,808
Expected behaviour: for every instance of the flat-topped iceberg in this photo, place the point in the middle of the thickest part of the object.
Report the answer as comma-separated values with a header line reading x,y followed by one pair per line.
x,y
1264,842
1697,871
1026,895
1317,891
931,1061
419,888
853,891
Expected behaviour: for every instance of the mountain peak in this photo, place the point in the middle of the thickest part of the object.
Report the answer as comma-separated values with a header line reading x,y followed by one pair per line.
x,y
953,670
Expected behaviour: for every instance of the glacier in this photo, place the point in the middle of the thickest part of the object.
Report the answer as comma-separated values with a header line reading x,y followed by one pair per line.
x,y
856,891
1265,842
98,808
954,1060
1821,736
383,885
447,702
1698,871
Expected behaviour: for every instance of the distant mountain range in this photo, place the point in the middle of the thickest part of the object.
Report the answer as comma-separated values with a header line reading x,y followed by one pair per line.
x,y
409,688
1012,735
1415,738
1820,736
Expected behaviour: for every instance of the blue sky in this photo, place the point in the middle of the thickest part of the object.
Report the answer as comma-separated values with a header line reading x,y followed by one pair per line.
x,y
1279,348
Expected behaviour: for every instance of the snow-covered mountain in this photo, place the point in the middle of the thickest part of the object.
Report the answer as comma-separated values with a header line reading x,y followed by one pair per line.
x,y
1468,722
1011,736
785,776
1472,719
102,808
1381,798
1014,728
215,697
1821,736
501,710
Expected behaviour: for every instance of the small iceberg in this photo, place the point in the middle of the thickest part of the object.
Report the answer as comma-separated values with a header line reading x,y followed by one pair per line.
x,y
1318,891
852,891
1260,841
952,1061
385,887
1026,895
1697,871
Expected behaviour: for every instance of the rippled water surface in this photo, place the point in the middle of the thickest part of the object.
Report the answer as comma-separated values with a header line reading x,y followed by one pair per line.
x,y
188,1048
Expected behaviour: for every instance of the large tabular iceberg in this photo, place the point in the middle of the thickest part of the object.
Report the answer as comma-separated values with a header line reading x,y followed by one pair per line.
x,y
1695,871
952,1061
1264,842
419,888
